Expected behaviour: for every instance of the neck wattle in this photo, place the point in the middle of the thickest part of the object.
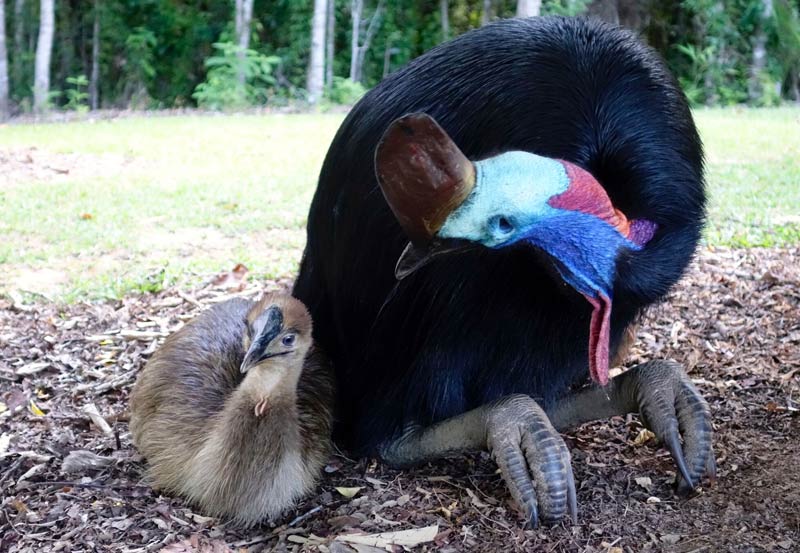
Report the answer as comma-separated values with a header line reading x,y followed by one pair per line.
x,y
585,237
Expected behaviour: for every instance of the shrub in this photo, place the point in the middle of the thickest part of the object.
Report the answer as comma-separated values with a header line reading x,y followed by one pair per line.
x,y
223,87
77,97
345,91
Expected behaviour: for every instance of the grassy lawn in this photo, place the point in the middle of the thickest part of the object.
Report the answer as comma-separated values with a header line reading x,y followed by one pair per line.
x,y
94,209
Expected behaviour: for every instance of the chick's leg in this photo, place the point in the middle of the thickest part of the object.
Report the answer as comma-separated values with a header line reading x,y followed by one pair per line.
x,y
532,457
670,406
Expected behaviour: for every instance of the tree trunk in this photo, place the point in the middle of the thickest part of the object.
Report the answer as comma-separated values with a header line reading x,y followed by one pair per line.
x,y
607,10
331,22
759,62
360,50
486,14
244,15
94,79
316,64
44,47
444,15
528,8
65,30
19,39
387,57
356,7
4,106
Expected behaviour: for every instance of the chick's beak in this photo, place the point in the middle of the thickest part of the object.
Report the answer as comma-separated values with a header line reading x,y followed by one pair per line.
x,y
268,326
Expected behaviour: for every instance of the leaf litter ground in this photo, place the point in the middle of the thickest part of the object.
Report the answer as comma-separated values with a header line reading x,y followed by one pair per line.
x,y
71,480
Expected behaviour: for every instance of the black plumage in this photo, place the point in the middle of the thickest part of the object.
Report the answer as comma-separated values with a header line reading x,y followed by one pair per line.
x,y
471,328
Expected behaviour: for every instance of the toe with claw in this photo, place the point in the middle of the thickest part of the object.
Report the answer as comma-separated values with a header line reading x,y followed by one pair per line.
x,y
533,459
673,409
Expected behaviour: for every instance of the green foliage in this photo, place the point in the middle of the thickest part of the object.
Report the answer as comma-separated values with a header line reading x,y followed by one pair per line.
x,y
153,52
77,97
701,60
718,57
236,78
565,7
138,69
786,44
344,91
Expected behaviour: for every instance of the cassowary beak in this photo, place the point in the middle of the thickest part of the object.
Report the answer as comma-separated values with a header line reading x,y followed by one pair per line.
x,y
424,177
415,257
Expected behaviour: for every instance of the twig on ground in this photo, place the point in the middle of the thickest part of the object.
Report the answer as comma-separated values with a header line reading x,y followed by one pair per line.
x,y
304,516
190,299
99,388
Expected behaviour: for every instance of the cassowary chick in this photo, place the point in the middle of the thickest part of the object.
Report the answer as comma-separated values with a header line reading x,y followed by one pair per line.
x,y
234,411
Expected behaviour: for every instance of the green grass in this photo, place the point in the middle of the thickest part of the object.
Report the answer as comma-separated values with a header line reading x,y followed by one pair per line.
x,y
151,201
753,159
186,196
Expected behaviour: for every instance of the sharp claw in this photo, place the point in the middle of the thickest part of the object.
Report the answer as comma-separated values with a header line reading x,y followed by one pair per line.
x,y
711,468
533,517
572,497
672,407
673,443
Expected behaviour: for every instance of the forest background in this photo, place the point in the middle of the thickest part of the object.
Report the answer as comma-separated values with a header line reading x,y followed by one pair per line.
x,y
233,54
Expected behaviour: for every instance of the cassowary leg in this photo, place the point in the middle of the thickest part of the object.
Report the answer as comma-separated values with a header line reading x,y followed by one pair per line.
x,y
533,459
670,406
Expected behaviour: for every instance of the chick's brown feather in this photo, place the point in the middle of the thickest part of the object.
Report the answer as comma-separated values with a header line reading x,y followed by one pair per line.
x,y
192,416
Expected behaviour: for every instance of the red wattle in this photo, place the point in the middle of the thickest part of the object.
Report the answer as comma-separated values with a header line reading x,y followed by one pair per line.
x,y
599,335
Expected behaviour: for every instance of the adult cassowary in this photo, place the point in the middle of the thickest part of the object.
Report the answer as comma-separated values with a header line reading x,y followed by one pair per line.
x,y
486,346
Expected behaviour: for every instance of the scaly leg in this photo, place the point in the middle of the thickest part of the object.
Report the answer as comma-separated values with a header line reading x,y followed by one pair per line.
x,y
670,406
532,457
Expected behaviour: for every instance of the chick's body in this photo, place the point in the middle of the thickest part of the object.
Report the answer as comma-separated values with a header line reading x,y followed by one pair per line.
x,y
244,446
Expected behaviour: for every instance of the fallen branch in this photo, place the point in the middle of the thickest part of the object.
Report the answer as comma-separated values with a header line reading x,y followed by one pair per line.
x,y
112,384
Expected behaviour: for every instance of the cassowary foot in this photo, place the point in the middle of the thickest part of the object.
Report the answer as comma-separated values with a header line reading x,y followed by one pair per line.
x,y
670,406
673,409
533,459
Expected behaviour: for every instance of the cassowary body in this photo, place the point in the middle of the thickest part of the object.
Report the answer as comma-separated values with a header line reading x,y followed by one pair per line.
x,y
469,329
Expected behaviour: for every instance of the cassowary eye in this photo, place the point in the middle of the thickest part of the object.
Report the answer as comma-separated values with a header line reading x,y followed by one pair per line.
x,y
501,225
288,340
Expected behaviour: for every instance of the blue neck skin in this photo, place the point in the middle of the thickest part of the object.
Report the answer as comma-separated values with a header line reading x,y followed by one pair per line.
x,y
509,204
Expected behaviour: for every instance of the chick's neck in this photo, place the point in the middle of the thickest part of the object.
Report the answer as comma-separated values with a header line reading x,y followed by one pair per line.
x,y
272,379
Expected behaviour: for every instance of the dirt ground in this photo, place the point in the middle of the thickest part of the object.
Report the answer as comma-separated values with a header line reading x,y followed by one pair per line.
x,y
734,322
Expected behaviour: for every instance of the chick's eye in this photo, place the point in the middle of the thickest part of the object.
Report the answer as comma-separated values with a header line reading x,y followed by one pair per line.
x,y
288,340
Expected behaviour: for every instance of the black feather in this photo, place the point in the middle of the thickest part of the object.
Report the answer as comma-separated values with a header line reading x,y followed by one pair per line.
x,y
470,328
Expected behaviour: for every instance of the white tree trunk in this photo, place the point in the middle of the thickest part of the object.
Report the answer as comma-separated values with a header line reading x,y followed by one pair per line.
x,y
19,38
4,107
360,49
759,62
444,15
94,78
486,14
529,8
316,64
44,47
329,39
356,7
19,33
244,15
